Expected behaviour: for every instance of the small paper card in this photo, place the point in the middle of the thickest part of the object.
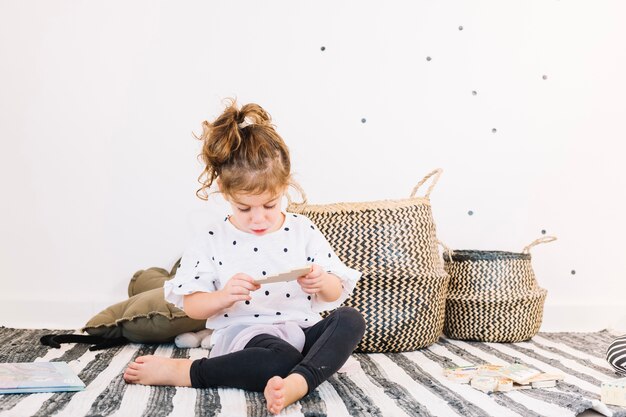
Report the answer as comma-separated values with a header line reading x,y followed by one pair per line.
x,y
485,383
519,373
544,384
461,374
504,384
614,392
546,377
16,378
285,276
489,370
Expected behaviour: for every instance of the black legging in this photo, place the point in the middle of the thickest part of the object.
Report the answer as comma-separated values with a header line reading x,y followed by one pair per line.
x,y
328,346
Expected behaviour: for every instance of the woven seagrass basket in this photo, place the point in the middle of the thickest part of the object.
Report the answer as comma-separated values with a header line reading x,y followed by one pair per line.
x,y
402,291
493,295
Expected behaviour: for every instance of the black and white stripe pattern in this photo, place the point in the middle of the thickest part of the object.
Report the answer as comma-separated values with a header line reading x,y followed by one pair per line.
x,y
616,354
380,384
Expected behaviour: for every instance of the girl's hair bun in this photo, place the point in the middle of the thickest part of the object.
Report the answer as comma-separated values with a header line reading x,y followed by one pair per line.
x,y
239,143
253,115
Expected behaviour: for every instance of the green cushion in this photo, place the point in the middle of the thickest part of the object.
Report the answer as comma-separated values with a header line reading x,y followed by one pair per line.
x,y
147,280
145,317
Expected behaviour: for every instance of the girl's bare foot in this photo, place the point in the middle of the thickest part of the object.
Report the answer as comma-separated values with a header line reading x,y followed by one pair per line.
x,y
158,370
282,392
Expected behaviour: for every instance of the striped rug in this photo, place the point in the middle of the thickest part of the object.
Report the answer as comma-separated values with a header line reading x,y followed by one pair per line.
x,y
400,384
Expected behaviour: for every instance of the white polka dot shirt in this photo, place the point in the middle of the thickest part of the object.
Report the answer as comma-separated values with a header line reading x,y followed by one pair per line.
x,y
222,250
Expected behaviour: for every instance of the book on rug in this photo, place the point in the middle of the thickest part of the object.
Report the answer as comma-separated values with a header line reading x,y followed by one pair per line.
x,y
29,377
285,276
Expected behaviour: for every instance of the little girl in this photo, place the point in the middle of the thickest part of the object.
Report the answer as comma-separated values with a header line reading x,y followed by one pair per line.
x,y
268,337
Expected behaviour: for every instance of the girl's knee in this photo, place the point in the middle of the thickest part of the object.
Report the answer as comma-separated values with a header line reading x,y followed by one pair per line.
x,y
282,359
353,317
290,357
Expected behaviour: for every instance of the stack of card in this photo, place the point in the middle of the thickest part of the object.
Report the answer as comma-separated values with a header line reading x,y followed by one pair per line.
x,y
519,373
490,378
483,377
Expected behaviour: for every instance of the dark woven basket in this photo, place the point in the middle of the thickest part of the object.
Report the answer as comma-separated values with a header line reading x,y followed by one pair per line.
x,y
493,296
402,291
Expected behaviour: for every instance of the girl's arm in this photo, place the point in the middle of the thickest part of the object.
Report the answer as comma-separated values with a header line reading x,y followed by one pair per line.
x,y
202,305
326,286
331,288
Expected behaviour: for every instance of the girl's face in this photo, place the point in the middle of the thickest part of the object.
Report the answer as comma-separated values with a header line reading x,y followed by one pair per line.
x,y
258,214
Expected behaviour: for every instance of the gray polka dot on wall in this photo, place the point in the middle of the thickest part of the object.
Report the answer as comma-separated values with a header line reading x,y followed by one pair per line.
x,y
471,213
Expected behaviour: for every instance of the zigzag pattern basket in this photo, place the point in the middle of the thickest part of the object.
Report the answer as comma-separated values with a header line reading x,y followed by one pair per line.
x,y
493,296
402,291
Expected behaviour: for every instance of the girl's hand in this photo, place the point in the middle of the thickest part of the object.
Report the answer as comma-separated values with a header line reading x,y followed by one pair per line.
x,y
313,282
238,288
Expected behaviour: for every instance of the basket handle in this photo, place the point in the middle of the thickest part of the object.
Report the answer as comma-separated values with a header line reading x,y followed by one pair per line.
x,y
300,190
446,249
437,173
545,239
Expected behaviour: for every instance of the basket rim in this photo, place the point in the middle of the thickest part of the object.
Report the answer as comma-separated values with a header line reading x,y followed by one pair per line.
x,y
358,205
535,293
461,255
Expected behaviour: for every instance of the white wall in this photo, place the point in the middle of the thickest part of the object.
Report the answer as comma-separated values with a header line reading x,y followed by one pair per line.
x,y
98,102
